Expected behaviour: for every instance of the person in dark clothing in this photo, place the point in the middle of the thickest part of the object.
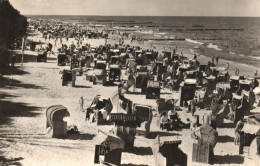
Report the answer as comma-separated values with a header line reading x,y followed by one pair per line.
x,y
195,57
50,48
217,58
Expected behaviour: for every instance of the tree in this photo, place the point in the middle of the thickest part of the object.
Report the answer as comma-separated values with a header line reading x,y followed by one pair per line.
x,y
13,27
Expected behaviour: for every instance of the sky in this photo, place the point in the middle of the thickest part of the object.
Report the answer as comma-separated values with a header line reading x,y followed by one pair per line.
x,y
247,8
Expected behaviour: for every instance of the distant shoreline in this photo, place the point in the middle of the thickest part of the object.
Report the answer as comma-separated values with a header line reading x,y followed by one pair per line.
x,y
141,16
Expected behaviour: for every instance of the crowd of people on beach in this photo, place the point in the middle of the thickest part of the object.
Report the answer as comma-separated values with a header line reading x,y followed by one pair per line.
x,y
171,69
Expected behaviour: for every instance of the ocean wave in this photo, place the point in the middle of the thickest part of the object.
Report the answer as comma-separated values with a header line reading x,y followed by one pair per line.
x,y
254,57
146,32
214,47
162,33
194,41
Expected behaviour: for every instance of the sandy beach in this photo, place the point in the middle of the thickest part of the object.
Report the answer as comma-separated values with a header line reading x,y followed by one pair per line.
x,y
28,89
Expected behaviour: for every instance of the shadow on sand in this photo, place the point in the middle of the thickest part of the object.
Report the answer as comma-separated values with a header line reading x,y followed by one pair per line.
x,y
80,136
17,70
227,125
10,109
228,159
82,86
153,135
140,150
225,139
11,161
13,83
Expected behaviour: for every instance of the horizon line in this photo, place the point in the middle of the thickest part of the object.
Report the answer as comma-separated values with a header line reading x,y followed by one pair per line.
x,y
129,15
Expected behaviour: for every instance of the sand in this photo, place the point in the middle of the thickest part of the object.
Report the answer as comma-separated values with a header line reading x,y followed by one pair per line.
x,y
28,90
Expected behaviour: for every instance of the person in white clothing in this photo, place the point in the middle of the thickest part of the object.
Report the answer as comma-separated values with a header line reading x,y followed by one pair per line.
x,y
104,113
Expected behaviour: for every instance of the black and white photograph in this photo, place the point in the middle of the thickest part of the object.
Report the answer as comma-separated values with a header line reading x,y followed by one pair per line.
x,y
129,82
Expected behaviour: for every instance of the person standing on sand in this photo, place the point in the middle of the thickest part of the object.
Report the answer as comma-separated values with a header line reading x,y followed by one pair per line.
x,y
81,103
237,71
213,59
217,60
50,48
227,66
195,57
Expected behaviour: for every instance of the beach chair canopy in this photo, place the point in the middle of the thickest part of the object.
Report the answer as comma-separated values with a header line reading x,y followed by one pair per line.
x,y
101,64
245,82
238,97
207,134
190,72
154,84
148,53
190,81
165,140
211,77
56,113
234,78
141,73
165,104
113,141
115,50
100,102
122,54
251,129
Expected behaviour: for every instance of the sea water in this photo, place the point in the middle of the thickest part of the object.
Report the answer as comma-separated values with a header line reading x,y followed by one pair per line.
x,y
236,38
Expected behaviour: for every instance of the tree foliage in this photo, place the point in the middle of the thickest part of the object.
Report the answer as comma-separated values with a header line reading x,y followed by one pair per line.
x,y
13,26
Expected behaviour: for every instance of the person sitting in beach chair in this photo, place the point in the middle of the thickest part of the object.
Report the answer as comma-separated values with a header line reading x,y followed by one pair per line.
x,y
164,121
174,120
